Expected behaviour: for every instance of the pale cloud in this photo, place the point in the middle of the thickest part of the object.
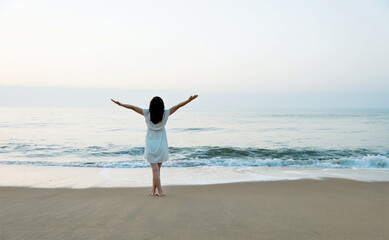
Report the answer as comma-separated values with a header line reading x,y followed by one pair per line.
x,y
254,46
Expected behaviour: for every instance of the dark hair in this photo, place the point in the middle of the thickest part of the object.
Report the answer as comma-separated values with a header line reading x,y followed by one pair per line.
x,y
156,109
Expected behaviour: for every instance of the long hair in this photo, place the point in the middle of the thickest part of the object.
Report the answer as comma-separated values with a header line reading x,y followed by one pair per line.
x,y
157,108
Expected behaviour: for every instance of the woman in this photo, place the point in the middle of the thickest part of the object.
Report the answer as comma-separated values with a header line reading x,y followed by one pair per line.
x,y
156,148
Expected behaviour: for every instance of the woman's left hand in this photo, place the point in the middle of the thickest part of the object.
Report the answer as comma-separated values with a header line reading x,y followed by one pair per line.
x,y
117,102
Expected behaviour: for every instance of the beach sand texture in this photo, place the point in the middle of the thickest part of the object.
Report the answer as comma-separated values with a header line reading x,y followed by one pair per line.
x,y
302,209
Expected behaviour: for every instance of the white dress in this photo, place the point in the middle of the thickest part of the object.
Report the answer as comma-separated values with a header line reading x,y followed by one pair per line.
x,y
156,148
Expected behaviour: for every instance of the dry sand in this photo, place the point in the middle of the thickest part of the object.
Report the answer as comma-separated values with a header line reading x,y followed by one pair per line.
x,y
303,209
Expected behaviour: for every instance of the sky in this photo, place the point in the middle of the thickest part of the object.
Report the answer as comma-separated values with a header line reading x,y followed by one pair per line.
x,y
222,46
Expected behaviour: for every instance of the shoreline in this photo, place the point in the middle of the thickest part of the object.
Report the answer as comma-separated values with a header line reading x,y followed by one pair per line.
x,y
89,177
300,209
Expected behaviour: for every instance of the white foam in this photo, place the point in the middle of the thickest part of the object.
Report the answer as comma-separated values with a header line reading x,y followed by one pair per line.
x,y
78,177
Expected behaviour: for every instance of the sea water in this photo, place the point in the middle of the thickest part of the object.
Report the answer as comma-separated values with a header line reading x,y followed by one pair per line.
x,y
114,138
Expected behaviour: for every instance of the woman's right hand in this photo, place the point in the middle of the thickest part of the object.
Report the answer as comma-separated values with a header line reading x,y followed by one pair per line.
x,y
191,98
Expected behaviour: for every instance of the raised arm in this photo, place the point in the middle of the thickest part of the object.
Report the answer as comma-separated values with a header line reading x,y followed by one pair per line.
x,y
136,109
175,108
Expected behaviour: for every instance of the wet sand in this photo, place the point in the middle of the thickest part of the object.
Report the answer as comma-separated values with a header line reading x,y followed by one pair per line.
x,y
301,209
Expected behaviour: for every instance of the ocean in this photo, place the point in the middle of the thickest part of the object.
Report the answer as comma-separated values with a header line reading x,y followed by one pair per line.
x,y
114,138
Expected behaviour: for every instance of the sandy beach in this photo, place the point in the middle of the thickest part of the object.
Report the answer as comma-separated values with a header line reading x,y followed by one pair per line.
x,y
302,209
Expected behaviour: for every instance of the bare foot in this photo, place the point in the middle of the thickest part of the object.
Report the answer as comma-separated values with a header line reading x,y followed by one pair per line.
x,y
152,193
160,194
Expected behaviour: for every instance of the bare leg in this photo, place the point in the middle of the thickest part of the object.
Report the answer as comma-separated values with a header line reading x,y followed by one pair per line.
x,y
152,193
159,172
156,179
159,169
